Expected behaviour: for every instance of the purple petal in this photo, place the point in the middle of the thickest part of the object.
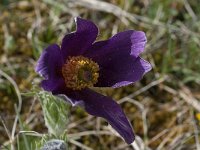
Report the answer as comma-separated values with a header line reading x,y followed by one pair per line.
x,y
50,62
118,59
102,106
64,92
49,66
78,42
127,42
53,84
138,40
124,71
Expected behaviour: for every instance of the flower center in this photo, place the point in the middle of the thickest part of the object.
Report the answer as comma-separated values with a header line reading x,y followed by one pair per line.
x,y
80,72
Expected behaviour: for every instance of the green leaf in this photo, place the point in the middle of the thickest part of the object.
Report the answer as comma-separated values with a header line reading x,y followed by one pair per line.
x,y
55,113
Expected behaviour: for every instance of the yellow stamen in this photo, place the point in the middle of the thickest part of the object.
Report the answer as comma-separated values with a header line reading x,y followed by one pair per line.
x,y
80,72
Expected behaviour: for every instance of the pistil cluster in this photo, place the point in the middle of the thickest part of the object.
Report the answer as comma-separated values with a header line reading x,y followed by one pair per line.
x,y
80,72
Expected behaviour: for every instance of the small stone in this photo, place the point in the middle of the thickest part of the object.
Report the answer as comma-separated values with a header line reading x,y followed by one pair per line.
x,y
54,144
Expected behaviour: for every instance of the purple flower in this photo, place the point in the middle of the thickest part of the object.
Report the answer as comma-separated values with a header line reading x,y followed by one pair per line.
x,y
81,63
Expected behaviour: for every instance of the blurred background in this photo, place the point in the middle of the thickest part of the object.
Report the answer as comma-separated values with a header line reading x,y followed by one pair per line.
x,y
164,107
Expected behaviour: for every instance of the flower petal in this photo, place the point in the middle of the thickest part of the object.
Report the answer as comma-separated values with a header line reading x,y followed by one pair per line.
x,y
118,59
121,71
138,40
77,42
49,66
127,42
102,106
50,62
53,84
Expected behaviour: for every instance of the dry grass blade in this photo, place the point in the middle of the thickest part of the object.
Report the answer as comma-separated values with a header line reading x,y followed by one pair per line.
x,y
124,15
187,96
145,88
189,9
86,133
103,6
2,73
82,146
